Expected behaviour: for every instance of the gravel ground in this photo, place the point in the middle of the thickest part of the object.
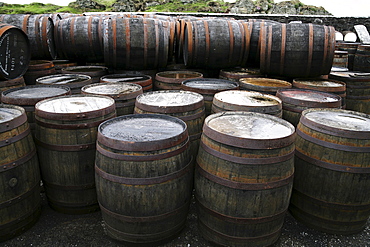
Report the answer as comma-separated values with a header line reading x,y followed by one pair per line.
x,y
56,229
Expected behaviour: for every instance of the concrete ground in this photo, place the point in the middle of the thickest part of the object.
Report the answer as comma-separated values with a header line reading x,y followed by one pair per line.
x,y
57,229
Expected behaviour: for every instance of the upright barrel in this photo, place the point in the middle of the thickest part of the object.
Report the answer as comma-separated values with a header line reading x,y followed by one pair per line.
x,y
66,132
95,72
244,178
235,74
332,170
351,48
15,52
185,105
38,68
144,177
297,50
171,80
145,81
74,81
263,85
361,61
13,83
20,201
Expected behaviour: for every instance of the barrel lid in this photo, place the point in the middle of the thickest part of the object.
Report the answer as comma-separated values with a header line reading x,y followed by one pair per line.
x,y
247,98
320,84
142,132
264,83
350,76
84,69
11,116
338,69
209,85
338,122
249,130
177,76
61,79
309,98
30,95
169,101
114,89
75,107
125,78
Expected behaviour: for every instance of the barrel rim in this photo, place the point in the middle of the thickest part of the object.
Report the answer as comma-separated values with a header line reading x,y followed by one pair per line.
x,y
15,122
159,76
116,96
208,91
297,82
246,82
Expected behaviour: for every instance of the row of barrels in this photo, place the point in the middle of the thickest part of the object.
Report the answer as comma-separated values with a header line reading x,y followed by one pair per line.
x,y
126,42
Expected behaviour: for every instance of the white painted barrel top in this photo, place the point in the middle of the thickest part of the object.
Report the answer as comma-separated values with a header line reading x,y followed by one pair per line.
x,y
167,98
339,119
9,113
321,83
250,125
142,128
308,95
74,104
247,98
112,88
61,79
210,84
36,92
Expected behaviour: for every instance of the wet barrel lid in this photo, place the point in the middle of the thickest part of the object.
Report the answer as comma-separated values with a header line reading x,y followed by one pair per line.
x,y
237,73
249,130
247,98
177,76
142,132
11,116
320,85
62,79
350,76
74,107
30,95
169,101
264,84
338,69
338,122
115,89
209,85
84,69
309,98
125,78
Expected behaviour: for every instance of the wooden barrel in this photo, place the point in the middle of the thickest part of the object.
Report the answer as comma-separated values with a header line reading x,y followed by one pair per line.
x,y
20,201
280,54
123,93
235,74
145,81
66,132
185,105
143,158
340,59
95,72
357,89
296,100
39,30
204,47
351,48
61,64
323,85
171,80
15,52
263,85
243,178
238,100
135,43
361,61
38,68
208,87
79,38
28,96
74,81
13,83
332,170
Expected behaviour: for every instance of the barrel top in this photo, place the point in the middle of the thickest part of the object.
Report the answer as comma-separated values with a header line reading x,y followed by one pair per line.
x,y
35,92
339,119
247,98
74,104
114,88
167,98
307,95
142,128
125,78
9,113
350,75
61,79
250,125
266,82
320,83
210,84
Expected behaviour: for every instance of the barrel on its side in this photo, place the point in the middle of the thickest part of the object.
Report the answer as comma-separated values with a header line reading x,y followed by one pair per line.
x,y
244,178
332,170
20,201
66,132
143,159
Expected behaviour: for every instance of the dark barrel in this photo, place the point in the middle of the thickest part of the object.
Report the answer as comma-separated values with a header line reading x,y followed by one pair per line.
x,y
38,68
244,178
204,47
79,38
332,170
20,201
13,83
135,43
171,80
351,48
74,81
361,61
66,132
40,32
15,52
297,50
144,177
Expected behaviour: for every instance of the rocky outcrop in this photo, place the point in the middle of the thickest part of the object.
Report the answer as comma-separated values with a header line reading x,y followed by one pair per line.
x,y
128,6
87,5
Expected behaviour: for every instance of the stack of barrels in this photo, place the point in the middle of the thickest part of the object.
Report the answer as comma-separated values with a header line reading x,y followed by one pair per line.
x,y
247,116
